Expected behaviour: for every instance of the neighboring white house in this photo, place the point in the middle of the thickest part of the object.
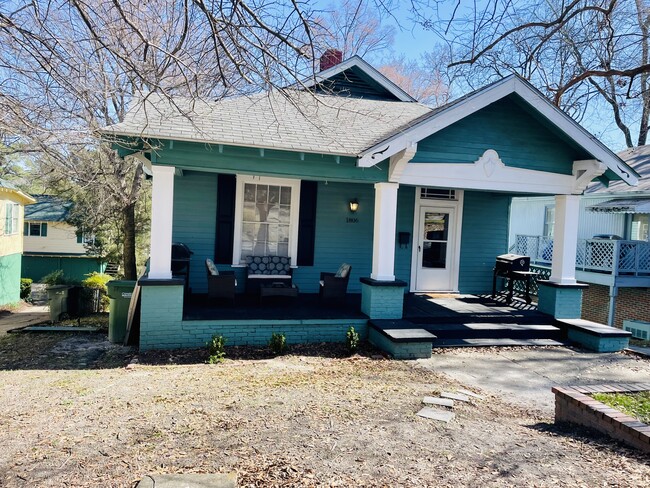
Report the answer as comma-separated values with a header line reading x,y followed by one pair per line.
x,y
51,243
613,253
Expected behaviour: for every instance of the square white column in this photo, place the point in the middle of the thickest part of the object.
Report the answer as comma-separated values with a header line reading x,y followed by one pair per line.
x,y
162,215
565,239
383,243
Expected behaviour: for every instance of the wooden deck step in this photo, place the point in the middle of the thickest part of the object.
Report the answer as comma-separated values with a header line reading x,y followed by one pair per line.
x,y
496,343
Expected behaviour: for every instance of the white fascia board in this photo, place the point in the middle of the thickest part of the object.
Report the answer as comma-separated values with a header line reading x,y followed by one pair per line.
x,y
363,66
437,122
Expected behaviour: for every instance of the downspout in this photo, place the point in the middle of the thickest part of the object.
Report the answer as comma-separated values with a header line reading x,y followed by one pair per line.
x,y
613,292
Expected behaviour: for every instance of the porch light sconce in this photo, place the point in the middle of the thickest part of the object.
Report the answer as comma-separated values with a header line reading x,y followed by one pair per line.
x,y
354,205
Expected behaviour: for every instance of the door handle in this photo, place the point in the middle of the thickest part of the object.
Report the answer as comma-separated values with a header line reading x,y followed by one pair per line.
x,y
419,249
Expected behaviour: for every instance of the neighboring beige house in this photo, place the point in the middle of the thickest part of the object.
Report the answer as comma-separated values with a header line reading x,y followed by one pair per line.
x,y
12,202
51,243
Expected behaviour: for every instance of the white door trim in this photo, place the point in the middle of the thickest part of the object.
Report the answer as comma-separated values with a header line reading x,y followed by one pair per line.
x,y
456,205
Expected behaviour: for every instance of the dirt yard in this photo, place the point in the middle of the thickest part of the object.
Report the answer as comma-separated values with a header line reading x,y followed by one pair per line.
x,y
74,414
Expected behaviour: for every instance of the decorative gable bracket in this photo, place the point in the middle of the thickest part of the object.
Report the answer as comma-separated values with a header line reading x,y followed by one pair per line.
x,y
584,172
399,161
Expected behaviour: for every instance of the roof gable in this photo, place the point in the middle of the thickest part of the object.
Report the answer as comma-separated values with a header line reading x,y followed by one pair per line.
x,y
449,114
358,79
8,189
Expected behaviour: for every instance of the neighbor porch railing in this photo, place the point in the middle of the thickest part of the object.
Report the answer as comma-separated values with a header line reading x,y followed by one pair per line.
x,y
616,257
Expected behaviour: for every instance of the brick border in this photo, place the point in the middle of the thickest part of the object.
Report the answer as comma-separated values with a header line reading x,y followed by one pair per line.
x,y
573,404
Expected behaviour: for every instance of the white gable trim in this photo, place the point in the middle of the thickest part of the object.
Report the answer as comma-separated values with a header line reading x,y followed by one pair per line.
x,y
480,100
367,69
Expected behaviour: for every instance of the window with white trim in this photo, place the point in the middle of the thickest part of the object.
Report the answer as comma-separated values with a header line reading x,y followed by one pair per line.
x,y
266,217
12,212
549,220
35,229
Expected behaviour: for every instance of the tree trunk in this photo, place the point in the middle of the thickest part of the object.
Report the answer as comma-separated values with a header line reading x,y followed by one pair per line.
x,y
130,271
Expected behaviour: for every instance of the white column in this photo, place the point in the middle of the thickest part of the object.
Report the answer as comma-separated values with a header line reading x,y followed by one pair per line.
x,y
162,214
383,244
565,239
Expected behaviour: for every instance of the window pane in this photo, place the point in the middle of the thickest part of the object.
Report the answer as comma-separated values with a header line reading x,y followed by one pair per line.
x,y
272,215
34,229
434,254
250,212
436,226
283,249
274,194
285,214
285,195
249,193
262,193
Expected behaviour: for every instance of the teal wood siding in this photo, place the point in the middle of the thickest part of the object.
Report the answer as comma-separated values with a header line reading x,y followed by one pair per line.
x,y
484,237
521,140
405,209
337,240
246,160
10,279
195,217
74,268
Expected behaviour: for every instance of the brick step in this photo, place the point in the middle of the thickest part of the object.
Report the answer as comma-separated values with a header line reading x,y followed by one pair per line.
x,y
519,318
439,343
495,331
595,336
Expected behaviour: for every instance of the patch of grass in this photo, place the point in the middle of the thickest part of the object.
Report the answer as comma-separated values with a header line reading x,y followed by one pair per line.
x,y
634,404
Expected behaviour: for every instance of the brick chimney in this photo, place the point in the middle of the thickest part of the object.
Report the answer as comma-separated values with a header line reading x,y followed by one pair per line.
x,y
330,58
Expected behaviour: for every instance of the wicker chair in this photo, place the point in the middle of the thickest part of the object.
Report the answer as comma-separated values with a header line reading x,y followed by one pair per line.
x,y
335,285
222,284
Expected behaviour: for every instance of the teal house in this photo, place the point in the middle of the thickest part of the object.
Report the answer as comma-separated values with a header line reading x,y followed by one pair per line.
x,y
348,168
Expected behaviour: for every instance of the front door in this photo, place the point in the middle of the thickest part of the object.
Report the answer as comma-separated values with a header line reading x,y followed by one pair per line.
x,y
436,247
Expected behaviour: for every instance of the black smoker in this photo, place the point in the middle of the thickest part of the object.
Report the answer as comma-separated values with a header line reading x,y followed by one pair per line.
x,y
513,267
181,255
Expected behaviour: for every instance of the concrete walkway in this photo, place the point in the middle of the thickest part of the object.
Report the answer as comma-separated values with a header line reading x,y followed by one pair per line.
x,y
27,315
525,376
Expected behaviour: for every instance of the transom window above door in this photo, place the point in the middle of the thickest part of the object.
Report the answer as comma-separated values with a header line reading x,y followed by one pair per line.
x,y
266,217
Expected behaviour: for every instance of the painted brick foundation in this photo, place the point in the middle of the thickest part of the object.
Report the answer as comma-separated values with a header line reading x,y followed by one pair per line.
x,y
162,325
382,302
631,304
400,350
573,404
562,302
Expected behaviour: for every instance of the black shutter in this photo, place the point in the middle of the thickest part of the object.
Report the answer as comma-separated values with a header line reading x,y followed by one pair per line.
x,y
307,223
226,188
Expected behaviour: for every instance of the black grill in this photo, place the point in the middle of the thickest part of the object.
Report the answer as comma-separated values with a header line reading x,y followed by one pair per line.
x,y
513,267
181,255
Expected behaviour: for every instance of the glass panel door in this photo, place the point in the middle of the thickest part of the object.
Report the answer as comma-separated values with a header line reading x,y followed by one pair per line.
x,y
435,240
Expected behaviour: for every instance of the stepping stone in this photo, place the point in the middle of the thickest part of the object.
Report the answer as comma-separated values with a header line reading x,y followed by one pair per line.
x,y
471,394
433,414
226,480
455,396
444,402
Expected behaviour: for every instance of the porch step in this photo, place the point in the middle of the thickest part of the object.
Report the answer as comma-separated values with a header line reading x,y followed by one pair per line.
x,y
495,331
595,336
496,343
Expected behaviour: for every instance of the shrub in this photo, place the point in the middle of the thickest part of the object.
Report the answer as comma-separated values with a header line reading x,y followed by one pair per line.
x,y
54,278
278,343
95,289
216,349
352,340
25,288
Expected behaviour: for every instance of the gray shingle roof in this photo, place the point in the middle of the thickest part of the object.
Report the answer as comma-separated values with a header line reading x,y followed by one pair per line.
x,y
290,120
48,208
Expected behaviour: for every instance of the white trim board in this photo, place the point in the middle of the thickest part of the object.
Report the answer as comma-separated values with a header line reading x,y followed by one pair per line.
x,y
479,100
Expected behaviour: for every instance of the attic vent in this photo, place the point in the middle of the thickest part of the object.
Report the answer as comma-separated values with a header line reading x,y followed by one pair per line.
x,y
639,329
437,194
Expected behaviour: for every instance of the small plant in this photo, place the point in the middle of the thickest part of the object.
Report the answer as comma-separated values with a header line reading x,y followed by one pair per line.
x,y
352,340
96,291
54,278
25,288
216,349
278,343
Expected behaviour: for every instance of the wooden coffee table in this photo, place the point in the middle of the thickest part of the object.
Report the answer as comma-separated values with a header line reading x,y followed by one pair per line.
x,y
277,289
